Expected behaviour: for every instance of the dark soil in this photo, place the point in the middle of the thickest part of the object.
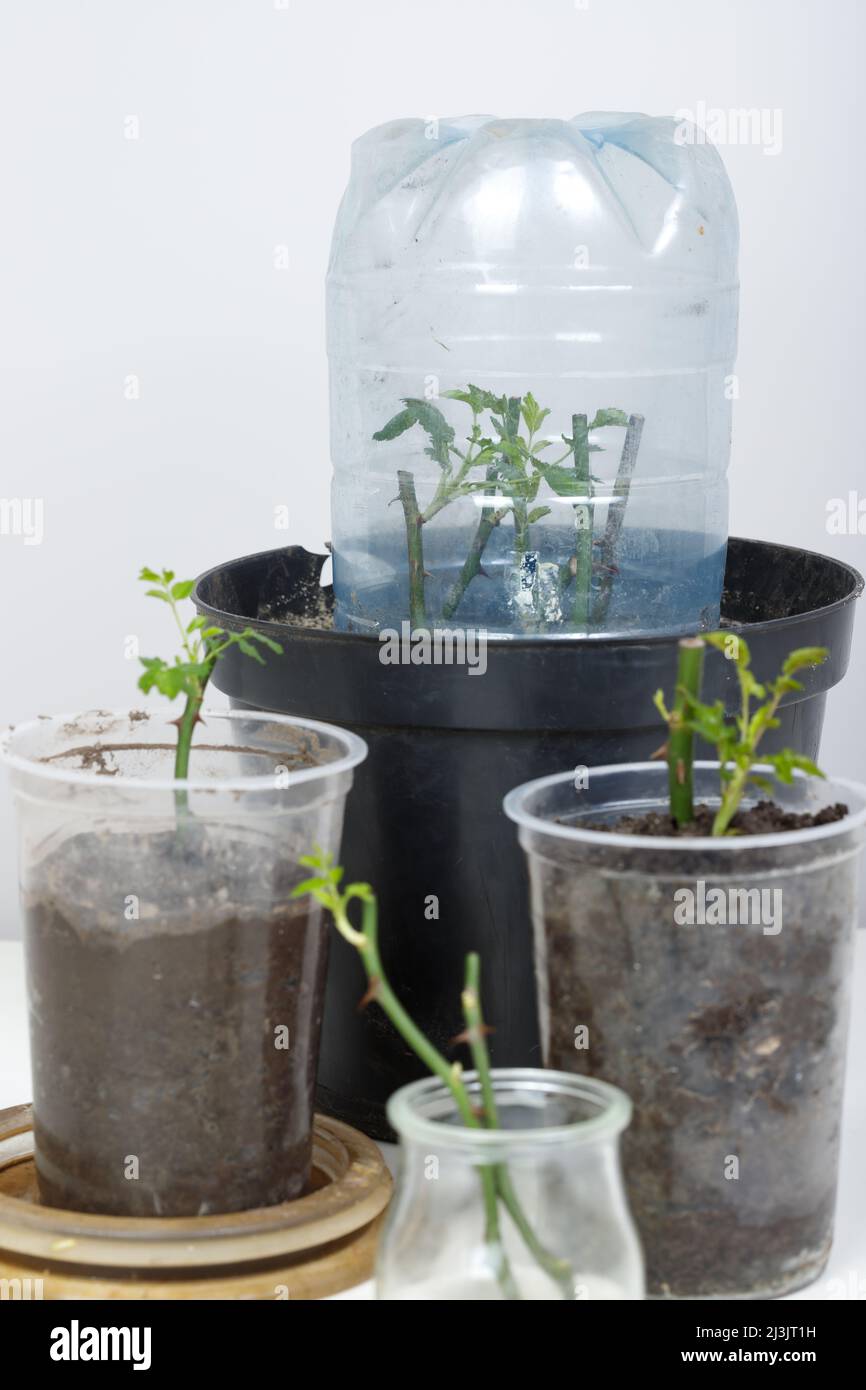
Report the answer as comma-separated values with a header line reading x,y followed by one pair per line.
x,y
765,818
154,1039
730,1042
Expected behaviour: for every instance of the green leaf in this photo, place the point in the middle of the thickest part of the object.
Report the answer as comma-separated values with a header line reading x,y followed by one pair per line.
x,y
157,593
709,721
563,481
804,656
435,426
537,513
264,639
731,645
533,415
307,885
182,589
763,782
749,685
431,420
659,702
149,576
611,416
398,425
787,762
250,649
478,399
317,860
782,684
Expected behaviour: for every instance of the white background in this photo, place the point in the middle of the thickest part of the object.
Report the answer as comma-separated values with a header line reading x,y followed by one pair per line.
x,y
157,257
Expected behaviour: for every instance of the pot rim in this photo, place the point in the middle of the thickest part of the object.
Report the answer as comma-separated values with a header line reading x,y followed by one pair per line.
x,y
233,621
612,1120
355,753
513,805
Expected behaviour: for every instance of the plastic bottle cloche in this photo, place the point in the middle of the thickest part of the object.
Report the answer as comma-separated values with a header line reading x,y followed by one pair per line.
x,y
531,335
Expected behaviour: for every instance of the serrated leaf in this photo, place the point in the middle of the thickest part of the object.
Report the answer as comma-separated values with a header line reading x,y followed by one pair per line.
x,y
307,885
533,415
782,684
397,425
478,399
611,416
787,762
804,656
268,642
563,481
149,576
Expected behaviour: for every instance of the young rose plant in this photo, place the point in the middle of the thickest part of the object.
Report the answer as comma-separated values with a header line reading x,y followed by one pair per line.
x,y
191,669
735,740
497,1188
502,459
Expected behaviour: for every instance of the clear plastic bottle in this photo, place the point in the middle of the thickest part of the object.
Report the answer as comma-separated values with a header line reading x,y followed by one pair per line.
x,y
584,268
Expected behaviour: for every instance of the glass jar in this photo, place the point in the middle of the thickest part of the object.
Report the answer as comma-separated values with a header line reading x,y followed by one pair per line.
x,y
531,333
558,1150
175,986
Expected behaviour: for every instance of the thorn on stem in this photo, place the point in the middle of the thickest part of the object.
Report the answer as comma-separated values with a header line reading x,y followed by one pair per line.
x,y
371,994
470,1035
661,752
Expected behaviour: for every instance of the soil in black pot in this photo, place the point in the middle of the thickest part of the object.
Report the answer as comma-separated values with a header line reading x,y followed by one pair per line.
x,y
176,997
729,1036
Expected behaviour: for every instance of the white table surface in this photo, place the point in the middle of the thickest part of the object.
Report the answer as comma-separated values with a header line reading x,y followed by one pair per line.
x,y
845,1276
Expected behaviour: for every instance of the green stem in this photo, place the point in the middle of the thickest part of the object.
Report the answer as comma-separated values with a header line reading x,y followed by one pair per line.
x,y
490,519
414,548
186,726
731,798
681,739
616,516
739,778
450,1075
558,1270
583,524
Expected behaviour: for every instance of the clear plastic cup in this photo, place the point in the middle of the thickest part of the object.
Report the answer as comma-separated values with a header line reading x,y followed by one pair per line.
x,y
175,986
710,979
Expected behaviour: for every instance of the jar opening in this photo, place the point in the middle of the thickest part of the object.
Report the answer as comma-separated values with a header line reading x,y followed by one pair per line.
x,y
536,1107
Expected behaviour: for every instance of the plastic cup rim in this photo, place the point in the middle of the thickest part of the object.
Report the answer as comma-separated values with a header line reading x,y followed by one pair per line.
x,y
355,753
513,805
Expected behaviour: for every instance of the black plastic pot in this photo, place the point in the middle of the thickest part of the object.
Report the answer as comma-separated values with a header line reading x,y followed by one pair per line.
x,y
424,822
